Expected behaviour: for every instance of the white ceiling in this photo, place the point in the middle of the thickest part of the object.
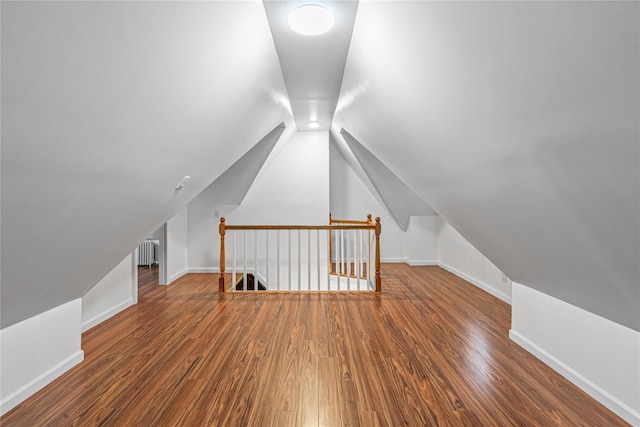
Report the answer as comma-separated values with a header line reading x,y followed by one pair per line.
x,y
312,66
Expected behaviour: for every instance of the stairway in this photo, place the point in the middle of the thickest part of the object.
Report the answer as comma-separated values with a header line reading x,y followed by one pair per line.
x,y
251,283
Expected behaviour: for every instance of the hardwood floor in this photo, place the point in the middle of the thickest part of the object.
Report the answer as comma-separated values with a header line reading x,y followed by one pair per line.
x,y
148,279
430,350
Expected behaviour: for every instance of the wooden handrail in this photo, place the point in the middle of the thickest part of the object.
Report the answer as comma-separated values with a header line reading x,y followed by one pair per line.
x,y
301,227
349,221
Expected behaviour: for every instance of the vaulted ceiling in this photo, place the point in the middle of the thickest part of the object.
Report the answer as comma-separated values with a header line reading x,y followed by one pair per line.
x,y
517,122
106,106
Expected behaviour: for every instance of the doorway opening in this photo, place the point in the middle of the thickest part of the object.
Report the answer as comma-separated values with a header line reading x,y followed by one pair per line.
x,y
151,263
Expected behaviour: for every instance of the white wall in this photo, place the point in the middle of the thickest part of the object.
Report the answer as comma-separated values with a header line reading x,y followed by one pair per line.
x,y
177,246
130,93
155,235
421,240
599,356
110,295
527,178
293,189
461,258
36,351
351,199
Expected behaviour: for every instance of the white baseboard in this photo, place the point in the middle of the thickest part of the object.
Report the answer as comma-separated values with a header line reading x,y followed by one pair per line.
x,y
490,289
21,394
412,263
602,396
106,315
213,270
178,275
393,260
416,263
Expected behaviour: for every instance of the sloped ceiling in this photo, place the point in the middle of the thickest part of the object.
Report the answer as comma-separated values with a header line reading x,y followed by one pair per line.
x,y
338,143
232,185
398,198
106,106
518,123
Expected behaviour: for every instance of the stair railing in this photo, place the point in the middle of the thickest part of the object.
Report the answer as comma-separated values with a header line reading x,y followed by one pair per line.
x,y
302,257
345,267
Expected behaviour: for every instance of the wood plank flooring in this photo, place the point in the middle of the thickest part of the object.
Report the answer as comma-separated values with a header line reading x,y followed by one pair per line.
x,y
430,350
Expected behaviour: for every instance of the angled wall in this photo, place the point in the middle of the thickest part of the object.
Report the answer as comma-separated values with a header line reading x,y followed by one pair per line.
x,y
518,124
177,238
596,354
232,185
351,199
526,141
112,294
38,350
400,200
291,189
461,258
106,106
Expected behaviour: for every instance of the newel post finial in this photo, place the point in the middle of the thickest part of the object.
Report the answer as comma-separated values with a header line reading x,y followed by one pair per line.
x,y
378,277
222,229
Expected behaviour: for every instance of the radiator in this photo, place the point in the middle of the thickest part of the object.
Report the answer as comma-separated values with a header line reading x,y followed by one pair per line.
x,y
147,253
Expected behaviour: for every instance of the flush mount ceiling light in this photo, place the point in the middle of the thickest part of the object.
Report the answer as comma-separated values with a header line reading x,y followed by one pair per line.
x,y
311,20
314,125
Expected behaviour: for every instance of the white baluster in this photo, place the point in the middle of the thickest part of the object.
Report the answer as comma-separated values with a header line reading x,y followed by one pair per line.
x,y
359,257
356,258
308,260
235,258
268,261
299,261
255,276
244,277
354,254
372,268
329,250
318,256
338,260
341,251
348,243
289,258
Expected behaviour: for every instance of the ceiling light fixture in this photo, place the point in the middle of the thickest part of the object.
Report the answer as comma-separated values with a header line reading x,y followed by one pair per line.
x,y
314,125
311,20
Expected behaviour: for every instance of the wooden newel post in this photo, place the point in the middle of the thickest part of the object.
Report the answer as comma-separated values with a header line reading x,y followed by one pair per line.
x,y
378,278
223,256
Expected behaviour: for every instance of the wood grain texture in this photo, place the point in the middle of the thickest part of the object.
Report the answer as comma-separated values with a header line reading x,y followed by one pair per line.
x,y
430,350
